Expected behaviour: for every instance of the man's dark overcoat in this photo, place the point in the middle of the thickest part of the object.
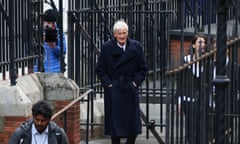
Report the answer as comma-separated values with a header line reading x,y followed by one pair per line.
x,y
121,101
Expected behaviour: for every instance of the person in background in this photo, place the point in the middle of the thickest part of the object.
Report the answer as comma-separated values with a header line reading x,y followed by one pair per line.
x,y
51,44
121,68
189,88
40,129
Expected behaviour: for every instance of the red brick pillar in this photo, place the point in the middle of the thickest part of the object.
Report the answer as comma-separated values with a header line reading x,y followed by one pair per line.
x,y
10,123
73,120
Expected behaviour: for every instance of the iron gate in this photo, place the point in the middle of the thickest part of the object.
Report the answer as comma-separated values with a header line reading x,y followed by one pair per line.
x,y
158,25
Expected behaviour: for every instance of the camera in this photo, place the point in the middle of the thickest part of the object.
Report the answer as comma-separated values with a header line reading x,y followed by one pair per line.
x,y
50,34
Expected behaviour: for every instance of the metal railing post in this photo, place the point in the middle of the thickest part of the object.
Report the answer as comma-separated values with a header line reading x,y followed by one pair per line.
x,y
11,42
221,79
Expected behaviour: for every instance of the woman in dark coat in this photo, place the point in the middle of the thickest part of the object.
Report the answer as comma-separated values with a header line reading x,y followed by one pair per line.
x,y
190,90
121,68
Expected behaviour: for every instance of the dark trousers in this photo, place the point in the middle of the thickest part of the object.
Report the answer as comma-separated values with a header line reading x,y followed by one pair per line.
x,y
192,124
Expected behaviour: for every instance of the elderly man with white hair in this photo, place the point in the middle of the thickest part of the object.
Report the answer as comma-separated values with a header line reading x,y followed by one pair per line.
x,y
121,69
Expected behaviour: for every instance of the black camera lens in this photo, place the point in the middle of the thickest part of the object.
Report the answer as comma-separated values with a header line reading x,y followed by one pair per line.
x,y
50,35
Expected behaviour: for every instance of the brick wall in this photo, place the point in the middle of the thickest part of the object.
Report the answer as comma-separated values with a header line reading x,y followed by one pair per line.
x,y
9,125
73,120
175,51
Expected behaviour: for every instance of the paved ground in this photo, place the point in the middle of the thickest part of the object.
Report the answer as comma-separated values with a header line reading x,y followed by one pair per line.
x,y
138,141
141,139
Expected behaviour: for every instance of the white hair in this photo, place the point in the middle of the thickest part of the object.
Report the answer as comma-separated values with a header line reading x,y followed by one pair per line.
x,y
120,24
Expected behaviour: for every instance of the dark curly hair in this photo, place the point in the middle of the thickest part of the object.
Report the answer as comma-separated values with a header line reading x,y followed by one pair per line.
x,y
43,108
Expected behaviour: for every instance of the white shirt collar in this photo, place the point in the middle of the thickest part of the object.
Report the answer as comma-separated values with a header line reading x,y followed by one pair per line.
x,y
39,138
124,46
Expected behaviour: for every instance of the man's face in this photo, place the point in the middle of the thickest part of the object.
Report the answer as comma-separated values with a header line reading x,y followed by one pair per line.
x,y
200,43
121,36
40,122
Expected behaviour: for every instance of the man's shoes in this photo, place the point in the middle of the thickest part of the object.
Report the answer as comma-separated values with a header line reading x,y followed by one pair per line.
x,y
115,140
131,139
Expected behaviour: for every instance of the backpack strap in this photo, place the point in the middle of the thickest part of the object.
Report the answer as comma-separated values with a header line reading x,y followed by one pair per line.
x,y
58,133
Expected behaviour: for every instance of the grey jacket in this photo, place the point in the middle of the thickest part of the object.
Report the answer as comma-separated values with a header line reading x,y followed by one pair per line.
x,y
23,134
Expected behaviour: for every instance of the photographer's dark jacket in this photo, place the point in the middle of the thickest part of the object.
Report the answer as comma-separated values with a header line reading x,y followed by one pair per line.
x,y
23,134
121,101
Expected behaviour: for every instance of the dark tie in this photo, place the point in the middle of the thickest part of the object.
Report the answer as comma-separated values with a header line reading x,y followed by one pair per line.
x,y
122,50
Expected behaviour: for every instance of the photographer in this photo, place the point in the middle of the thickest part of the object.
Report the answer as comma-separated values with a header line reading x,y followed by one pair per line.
x,y
51,44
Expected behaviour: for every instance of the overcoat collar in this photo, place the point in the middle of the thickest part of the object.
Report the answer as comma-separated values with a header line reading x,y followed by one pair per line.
x,y
130,51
